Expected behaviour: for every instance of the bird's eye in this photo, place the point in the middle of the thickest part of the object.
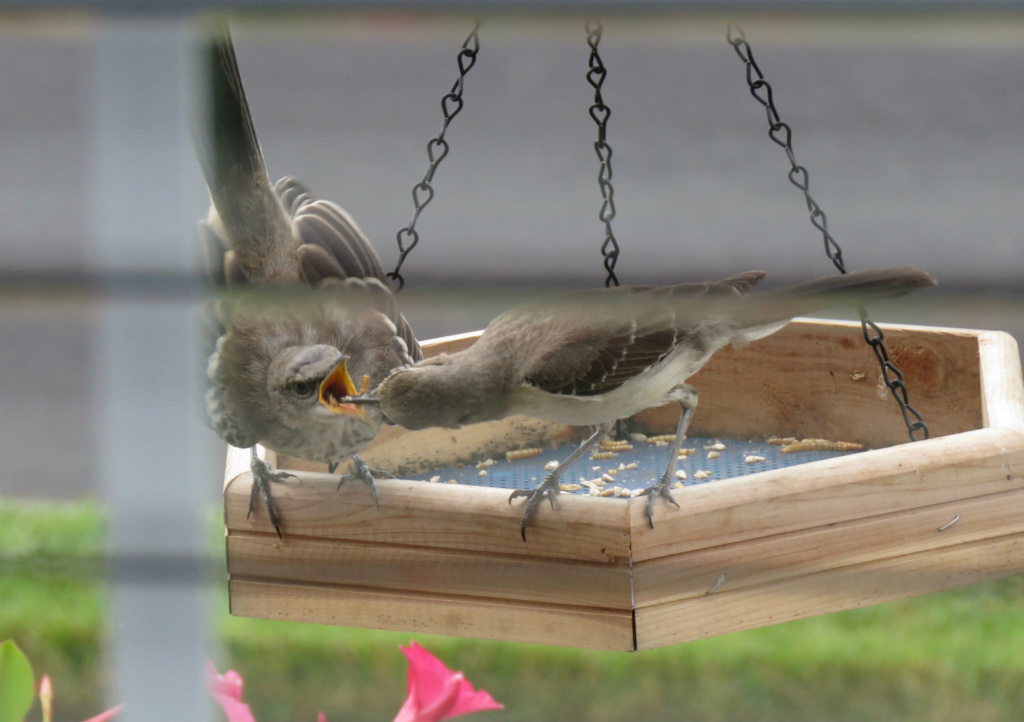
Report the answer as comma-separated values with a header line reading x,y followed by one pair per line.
x,y
303,389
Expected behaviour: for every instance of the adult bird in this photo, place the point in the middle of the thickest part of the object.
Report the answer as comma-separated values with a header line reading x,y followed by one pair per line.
x,y
305,302
589,358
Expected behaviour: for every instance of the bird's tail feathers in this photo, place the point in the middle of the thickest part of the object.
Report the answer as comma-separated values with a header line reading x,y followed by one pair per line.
x,y
228,142
772,309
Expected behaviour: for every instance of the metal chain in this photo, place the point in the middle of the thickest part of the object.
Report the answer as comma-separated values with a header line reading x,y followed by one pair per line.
x,y
782,134
437,149
600,113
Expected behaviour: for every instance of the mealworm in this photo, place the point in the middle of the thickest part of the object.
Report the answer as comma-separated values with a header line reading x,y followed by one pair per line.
x,y
602,455
820,445
613,444
517,454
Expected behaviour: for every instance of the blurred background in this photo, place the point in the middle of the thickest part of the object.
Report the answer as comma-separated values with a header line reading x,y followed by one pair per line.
x,y
909,120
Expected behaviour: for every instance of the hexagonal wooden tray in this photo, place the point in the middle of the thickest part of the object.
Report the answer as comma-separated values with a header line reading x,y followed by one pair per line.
x,y
738,553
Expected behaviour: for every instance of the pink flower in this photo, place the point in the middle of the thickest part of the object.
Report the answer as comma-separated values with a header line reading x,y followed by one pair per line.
x,y
106,716
436,693
227,690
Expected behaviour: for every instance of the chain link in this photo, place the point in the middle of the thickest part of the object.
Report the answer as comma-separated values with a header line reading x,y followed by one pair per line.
x,y
437,149
782,134
600,114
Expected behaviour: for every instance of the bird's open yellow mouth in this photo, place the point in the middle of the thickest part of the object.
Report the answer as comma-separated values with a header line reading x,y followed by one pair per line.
x,y
337,386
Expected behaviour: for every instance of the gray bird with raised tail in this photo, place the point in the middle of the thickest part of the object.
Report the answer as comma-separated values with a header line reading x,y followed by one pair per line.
x,y
592,357
304,306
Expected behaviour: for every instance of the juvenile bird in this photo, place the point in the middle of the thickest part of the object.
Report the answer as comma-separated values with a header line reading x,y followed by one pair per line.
x,y
305,304
592,357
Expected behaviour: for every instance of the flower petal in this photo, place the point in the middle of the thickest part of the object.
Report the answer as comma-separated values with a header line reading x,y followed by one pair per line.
x,y
227,690
435,692
228,684
106,716
46,697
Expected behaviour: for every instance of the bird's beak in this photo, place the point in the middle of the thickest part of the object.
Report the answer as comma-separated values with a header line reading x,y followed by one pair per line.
x,y
336,387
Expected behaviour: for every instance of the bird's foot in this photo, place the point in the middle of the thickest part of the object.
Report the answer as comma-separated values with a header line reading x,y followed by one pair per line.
x,y
361,471
663,489
262,475
548,488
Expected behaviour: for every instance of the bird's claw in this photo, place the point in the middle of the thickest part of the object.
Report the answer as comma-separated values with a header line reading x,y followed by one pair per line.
x,y
662,489
361,471
548,488
262,475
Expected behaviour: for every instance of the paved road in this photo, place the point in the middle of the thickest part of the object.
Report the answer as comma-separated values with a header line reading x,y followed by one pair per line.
x,y
911,130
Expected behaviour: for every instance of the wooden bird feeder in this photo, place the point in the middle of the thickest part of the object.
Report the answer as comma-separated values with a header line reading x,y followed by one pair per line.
x,y
898,520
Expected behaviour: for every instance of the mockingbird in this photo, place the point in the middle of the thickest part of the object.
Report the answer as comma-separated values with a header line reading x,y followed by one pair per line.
x,y
305,303
592,357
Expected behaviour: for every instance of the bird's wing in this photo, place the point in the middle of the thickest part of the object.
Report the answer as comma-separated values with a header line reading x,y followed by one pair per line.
x,y
592,342
222,264
333,248
326,225
359,294
597,360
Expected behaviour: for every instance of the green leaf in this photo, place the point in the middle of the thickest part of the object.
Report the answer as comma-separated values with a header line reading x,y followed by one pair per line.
x,y
17,685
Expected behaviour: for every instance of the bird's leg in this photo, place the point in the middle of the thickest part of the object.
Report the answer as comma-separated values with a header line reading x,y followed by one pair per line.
x,y
262,475
549,487
686,396
362,471
622,429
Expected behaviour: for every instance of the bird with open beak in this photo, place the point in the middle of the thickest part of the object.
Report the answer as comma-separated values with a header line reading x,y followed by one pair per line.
x,y
305,308
592,357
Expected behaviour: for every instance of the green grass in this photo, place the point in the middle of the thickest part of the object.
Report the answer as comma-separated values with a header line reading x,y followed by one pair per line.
x,y
952,656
